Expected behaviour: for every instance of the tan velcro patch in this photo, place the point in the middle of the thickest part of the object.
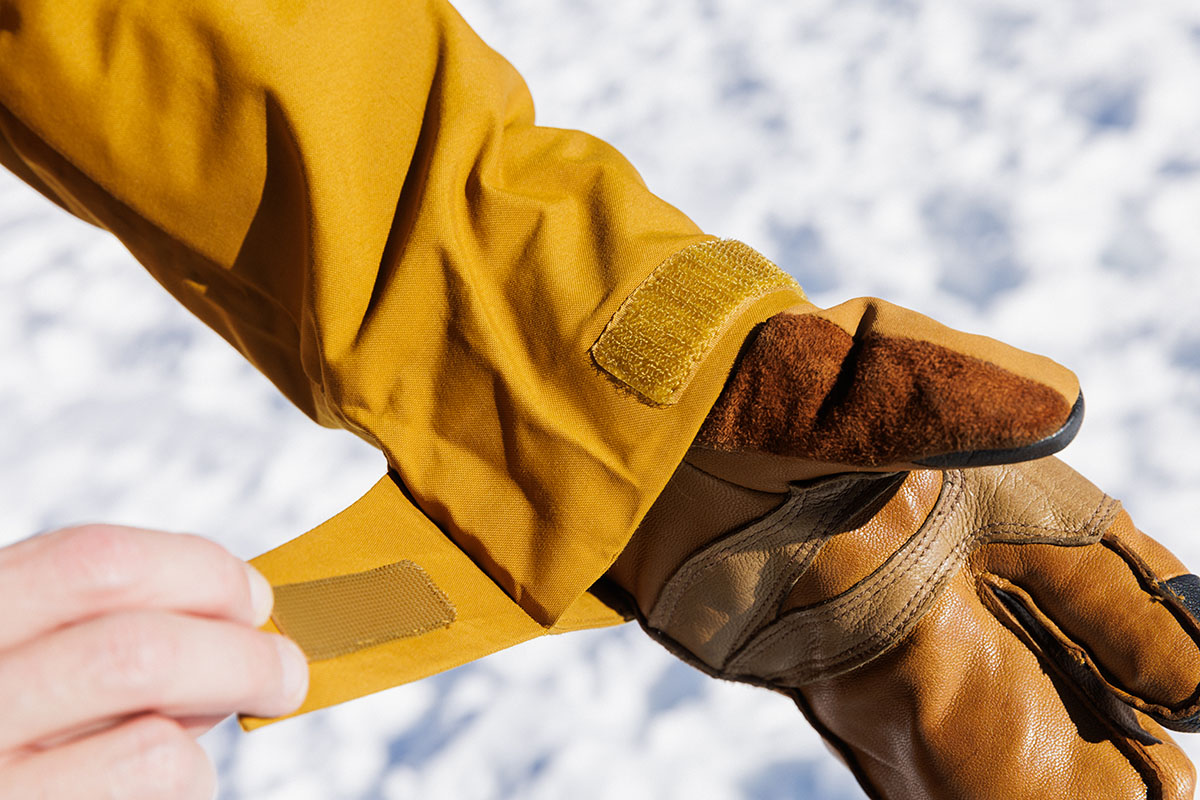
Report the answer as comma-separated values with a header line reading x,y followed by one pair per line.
x,y
335,616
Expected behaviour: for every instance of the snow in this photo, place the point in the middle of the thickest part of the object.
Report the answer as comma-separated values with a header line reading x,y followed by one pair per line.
x,y
1029,171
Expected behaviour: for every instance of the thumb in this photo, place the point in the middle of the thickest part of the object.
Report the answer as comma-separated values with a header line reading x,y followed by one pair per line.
x,y
868,384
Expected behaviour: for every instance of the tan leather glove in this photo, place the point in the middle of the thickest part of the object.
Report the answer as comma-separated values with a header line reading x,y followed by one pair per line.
x,y
993,631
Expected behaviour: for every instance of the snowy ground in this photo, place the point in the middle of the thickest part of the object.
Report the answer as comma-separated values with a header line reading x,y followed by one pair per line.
x,y
1022,169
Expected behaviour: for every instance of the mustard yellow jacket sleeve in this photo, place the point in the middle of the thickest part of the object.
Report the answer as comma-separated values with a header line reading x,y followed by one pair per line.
x,y
354,194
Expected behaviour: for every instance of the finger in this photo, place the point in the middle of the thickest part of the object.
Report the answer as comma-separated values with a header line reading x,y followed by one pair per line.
x,y
171,664
147,758
198,726
1160,561
870,384
962,708
78,573
1108,598
195,726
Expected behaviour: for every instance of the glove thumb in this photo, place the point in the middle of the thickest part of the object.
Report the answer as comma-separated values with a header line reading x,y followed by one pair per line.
x,y
868,385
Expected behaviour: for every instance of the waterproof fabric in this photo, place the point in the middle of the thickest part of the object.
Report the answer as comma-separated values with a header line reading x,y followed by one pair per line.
x,y
355,196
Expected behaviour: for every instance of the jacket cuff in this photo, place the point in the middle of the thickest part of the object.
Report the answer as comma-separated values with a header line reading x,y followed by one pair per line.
x,y
380,595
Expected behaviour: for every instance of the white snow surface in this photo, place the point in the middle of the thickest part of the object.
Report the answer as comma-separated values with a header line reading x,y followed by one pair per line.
x,y
1022,169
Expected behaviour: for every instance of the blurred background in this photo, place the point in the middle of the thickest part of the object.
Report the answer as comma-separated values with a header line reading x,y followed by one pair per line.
x,y
1026,170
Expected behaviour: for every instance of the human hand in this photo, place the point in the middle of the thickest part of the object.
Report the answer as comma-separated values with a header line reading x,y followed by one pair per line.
x,y
990,632
117,647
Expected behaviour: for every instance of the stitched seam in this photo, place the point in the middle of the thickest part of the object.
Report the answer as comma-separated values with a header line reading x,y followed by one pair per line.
x,y
693,570
1153,588
923,593
686,575
888,579
759,612
842,607
797,566
1005,616
881,639
839,607
698,570
952,562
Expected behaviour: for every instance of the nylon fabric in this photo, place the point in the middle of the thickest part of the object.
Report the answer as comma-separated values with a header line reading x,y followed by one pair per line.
x,y
355,195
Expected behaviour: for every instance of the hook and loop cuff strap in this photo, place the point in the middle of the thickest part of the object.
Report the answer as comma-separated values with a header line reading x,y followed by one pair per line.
x,y
379,596
672,321
336,616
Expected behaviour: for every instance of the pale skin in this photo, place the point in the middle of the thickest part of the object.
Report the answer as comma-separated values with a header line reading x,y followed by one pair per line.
x,y
118,647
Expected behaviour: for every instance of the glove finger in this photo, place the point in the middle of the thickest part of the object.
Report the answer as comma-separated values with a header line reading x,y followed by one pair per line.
x,y
963,708
870,384
1110,601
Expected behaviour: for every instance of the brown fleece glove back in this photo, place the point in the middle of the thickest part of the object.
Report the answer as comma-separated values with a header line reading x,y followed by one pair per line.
x,y
870,384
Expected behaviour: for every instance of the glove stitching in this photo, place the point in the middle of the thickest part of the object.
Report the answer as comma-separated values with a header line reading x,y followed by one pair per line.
x,y
839,606
782,579
925,595
845,605
1124,740
797,566
687,575
786,628
1148,581
977,538
694,569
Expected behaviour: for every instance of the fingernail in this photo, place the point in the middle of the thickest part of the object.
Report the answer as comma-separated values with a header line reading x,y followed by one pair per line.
x,y
262,598
295,671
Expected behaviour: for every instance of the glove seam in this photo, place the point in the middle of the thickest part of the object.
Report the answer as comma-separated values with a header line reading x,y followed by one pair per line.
x,y
839,608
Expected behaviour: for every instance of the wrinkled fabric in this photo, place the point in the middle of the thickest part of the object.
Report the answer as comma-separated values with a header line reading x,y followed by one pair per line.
x,y
356,197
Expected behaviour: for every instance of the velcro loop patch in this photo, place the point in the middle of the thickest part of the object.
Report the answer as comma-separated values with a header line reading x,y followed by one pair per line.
x,y
336,616
661,334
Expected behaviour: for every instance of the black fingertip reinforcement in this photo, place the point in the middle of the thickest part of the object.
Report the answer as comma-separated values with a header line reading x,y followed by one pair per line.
x,y
1187,589
1013,455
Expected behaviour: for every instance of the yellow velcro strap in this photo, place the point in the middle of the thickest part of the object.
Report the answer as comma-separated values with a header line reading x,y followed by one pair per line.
x,y
663,331
333,616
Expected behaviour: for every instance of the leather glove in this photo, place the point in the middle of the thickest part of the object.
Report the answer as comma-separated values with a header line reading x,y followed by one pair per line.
x,y
992,628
